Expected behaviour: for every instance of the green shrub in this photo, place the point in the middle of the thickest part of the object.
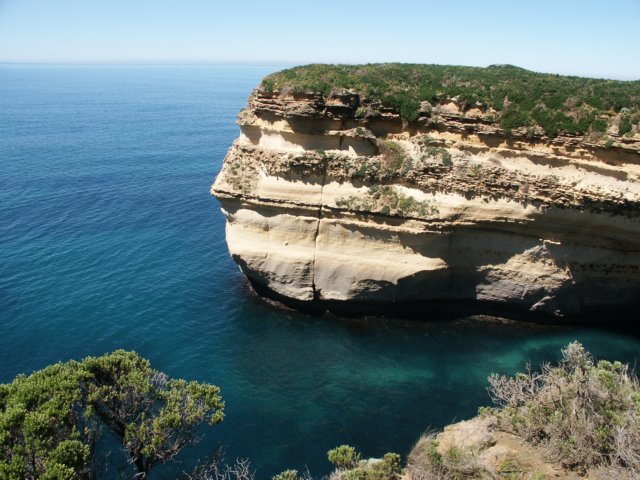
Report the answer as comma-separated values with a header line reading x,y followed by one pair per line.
x,y
357,474
435,459
485,412
268,85
599,125
584,411
513,118
389,468
361,112
39,419
625,126
287,475
456,463
344,456
393,153
50,421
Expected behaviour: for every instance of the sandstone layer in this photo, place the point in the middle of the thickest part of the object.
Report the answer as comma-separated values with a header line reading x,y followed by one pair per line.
x,y
328,207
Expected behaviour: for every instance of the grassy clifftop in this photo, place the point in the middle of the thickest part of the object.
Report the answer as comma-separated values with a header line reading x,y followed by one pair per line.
x,y
519,97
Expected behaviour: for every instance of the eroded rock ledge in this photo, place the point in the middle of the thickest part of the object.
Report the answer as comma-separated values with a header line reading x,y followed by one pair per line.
x,y
336,210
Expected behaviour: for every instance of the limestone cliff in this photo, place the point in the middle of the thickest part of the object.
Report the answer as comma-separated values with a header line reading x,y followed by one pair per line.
x,y
334,203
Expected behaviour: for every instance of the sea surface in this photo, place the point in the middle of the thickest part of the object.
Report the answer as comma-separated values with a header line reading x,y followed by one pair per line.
x,y
109,239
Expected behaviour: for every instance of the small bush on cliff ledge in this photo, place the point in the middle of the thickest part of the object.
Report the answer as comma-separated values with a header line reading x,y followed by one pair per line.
x,y
586,412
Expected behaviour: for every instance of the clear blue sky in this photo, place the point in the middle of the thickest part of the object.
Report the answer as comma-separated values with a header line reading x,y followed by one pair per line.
x,y
586,37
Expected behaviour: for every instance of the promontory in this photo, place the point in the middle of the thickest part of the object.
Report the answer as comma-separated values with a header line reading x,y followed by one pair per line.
x,y
395,187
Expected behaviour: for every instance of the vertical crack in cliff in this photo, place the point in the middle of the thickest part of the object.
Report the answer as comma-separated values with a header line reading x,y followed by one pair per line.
x,y
497,197
315,249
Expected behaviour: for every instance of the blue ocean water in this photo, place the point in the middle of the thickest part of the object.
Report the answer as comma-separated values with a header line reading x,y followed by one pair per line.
x,y
109,239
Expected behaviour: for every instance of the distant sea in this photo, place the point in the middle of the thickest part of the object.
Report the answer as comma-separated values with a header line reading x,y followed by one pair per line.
x,y
109,239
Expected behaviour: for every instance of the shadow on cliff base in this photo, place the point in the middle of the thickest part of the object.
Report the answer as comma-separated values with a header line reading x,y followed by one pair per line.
x,y
452,310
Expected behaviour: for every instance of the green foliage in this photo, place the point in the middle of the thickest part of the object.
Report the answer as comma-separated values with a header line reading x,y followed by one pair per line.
x,y
50,420
513,118
550,101
287,475
321,152
393,153
476,170
344,456
436,152
405,104
367,113
347,460
456,462
599,125
360,473
435,459
446,158
389,468
455,455
511,469
153,416
41,427
625,126
485,412
268,85
584,411
386,199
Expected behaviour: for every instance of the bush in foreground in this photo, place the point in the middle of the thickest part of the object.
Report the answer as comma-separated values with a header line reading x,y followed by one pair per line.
x,y
426,462
586,412
51,421
582,415
349,466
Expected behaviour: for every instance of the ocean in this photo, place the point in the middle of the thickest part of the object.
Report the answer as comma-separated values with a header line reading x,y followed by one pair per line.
x,y
109,239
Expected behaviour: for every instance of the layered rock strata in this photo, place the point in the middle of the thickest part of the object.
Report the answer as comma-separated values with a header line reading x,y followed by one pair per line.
x,y
332,208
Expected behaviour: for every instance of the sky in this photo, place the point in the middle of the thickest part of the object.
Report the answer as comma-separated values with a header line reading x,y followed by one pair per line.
x,y
589,38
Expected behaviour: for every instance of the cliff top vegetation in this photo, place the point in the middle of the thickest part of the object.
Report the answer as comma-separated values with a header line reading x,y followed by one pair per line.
x,y
520,98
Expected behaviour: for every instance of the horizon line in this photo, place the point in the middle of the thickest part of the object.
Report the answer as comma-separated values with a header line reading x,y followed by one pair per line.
x,y
142,62
624,78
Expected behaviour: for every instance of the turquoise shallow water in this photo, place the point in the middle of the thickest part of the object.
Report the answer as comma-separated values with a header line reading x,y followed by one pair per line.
x,y
109,239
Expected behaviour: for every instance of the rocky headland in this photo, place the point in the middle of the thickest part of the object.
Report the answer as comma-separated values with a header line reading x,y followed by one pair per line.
x,y
392,187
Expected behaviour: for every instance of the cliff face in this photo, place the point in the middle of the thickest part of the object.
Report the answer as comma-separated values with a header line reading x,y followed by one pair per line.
x,y
333,206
